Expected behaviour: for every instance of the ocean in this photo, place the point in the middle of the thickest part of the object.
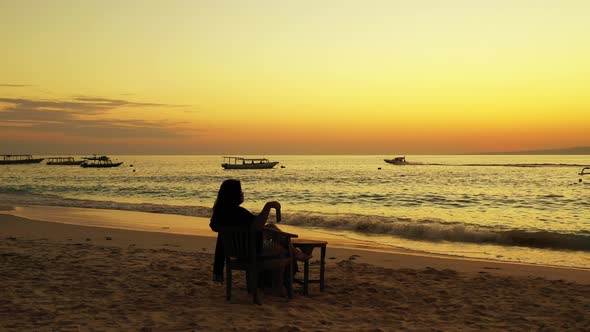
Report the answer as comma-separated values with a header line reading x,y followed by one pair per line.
x,y
531,209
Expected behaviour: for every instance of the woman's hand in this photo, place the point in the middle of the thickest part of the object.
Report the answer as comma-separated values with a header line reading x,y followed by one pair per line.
x,y
277,206
261,218
273,205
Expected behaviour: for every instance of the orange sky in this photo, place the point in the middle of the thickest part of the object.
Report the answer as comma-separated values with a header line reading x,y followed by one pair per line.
x,y
282,77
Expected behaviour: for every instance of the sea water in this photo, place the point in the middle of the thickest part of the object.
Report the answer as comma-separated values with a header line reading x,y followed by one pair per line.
x,y
531,209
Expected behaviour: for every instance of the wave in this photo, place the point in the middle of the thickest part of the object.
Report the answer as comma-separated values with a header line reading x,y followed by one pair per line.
x,y
26,198
439,230
422,230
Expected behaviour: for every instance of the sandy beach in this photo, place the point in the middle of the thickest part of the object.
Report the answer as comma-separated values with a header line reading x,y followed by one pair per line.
x,y
107,275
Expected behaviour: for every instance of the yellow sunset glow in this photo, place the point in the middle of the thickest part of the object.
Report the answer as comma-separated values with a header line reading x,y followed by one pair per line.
x,y
297,76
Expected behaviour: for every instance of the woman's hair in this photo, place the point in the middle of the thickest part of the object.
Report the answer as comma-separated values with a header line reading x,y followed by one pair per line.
x,y
229,195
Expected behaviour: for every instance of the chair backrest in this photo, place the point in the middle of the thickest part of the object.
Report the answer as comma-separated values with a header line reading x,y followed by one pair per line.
x,y
238,242
241,242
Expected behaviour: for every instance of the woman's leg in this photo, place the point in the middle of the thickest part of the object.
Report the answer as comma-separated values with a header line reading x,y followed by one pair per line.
x,y
278,283
295,252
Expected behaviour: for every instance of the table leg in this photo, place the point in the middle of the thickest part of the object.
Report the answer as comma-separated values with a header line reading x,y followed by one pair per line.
x,y
322,268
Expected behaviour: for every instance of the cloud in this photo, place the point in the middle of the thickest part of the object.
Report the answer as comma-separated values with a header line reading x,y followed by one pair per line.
x,y
116,102
71,117
16,85
85,104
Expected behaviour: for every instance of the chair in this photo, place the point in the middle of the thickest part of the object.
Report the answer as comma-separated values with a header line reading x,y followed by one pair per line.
x,y
243,252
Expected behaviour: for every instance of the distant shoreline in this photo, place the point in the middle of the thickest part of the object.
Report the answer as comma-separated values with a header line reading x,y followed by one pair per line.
x,y
575,151
582,150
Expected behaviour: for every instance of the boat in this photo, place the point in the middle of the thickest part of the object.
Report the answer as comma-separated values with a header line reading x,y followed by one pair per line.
x,y
99,162
63,161
247,163
585,171
11,159
397,161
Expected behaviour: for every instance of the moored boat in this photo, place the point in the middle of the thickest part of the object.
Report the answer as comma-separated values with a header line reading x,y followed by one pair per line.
x,y
63,161
247,163
12,159
397,161
99,162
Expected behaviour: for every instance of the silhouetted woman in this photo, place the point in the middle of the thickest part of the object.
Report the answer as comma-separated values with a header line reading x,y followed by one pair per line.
x,y
228,212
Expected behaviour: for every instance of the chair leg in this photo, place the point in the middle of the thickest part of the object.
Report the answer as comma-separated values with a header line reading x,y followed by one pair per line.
x,y
290,280
228,279
306,277
249,285
253,280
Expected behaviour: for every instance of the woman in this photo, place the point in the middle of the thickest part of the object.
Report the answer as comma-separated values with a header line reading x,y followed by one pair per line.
x,y
228,212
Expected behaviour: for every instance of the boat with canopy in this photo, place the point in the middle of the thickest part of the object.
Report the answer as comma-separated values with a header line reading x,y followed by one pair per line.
x,y
247,163
12,159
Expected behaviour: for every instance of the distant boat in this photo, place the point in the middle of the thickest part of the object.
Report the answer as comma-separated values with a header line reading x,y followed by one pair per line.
x,y
585,171
11,159
247,163
63,161
397,161
99,162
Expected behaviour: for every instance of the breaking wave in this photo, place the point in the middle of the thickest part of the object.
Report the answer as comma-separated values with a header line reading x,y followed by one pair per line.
x,y
439,230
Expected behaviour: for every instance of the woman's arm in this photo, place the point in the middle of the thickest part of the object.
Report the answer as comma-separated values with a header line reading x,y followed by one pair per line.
x,y
263,216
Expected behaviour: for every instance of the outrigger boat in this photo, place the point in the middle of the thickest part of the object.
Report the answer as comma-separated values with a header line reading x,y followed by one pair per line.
x,y
11,159
246,163
99,162
64,161
397,161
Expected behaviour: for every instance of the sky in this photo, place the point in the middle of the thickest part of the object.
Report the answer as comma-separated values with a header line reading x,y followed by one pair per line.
x,y
293,77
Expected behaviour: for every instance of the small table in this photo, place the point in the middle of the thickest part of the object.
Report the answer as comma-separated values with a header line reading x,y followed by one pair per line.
x,y
307,247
